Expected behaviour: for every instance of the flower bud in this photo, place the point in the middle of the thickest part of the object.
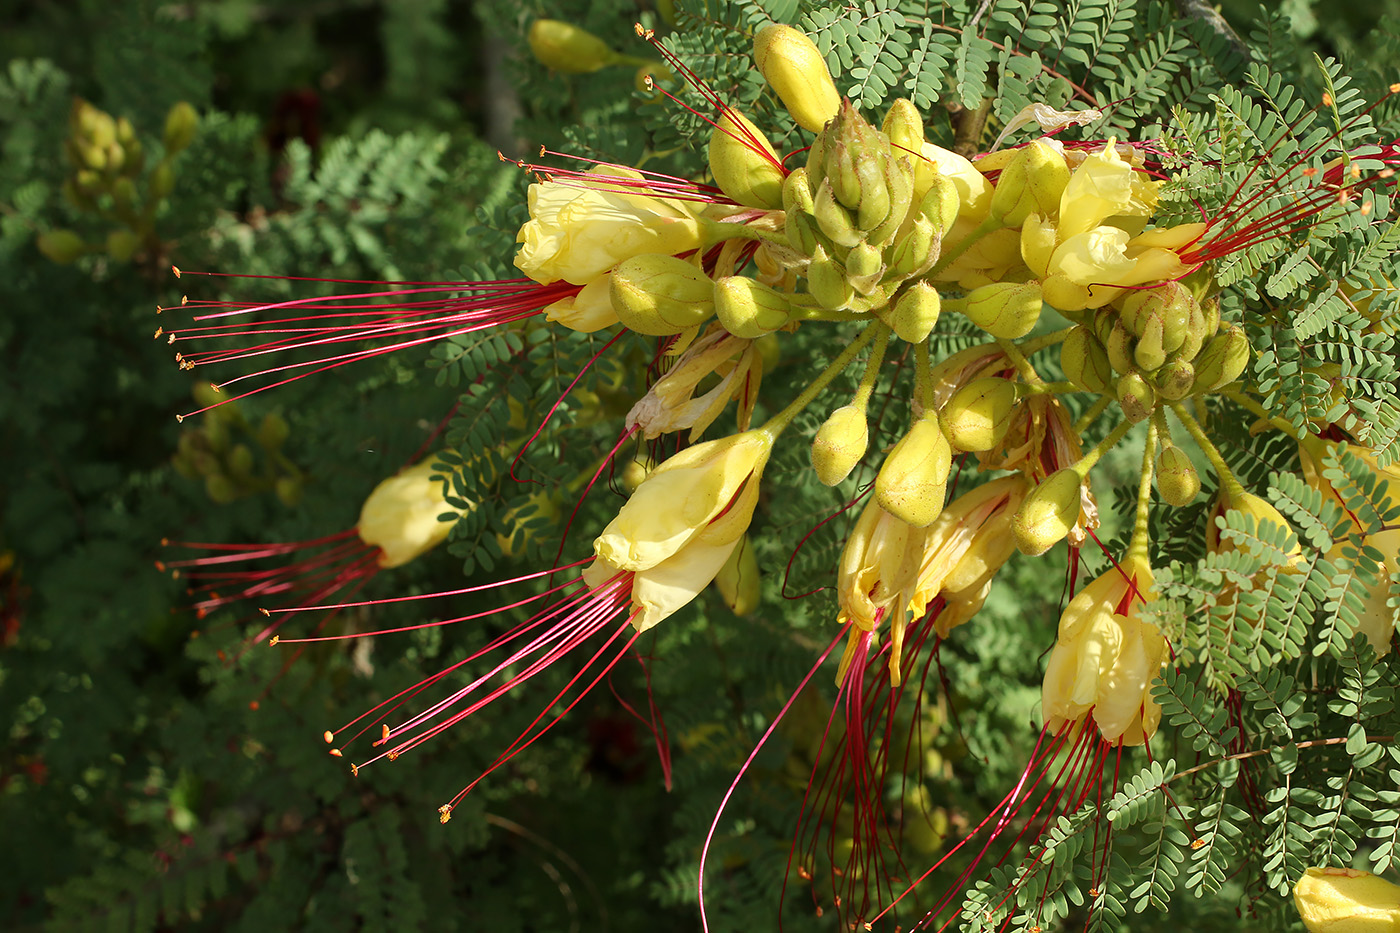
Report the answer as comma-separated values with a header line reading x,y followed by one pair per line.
x,y
977,416
1048,513
745,165
854,150
567,48
914,315
162,181
588,311
797,193
738,581
401,516
833,219
840,443
1135,396
914,253
1030,184
904,126
660,295
913,480
122,244
1346,900
61,246
181,124
749,309
273,432
801,230
1175,379
940,204
865,261
827,282
797,73
1085,361
1005,309
1164,310
1222,360
1177,481
899,187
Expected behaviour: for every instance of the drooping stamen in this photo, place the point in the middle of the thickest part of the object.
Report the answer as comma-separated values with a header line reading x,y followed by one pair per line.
x,y
424,312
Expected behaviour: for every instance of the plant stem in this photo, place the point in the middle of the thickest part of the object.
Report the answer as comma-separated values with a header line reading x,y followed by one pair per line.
x,y
1092,415
782,419
1231,487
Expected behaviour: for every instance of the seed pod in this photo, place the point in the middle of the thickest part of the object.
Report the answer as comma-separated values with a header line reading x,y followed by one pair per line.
x,y
797,73
1005,309
840,444
1136,397
1085,361
913,480
1177,480
660,295
914,315
1048,513
749,309
745,165
977,416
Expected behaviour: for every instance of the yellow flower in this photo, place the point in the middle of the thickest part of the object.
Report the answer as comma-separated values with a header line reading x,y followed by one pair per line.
x,y
1102,187
1105,658
578,233
588,311
1346,900
710,487
400,517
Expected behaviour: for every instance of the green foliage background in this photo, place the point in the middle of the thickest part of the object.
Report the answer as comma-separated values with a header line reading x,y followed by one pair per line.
x,y
140,789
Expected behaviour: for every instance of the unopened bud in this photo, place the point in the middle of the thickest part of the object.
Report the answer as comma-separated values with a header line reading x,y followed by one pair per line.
x,y
904,126
797,193
122,244
289,490
978,414
827,282
1031,183
840,444
220,488
1346,900
1175,379
1118,342
1177,480
833,219
660,295
738,581
1005,309
1048,513
181,124
1085,361
941,203
1163,310
1222,360
865,261
744,163
162,181
913,480
915,252
797,73
748,308
61,246
914,315
898,176
1136,397
565,47
1038,242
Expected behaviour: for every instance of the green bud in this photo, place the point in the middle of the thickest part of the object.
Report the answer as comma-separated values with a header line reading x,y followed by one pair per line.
x,y
273,432
797,193
1085,361
162,180
1005,309
1222,360
184,465
660,295
850,140
124,194
181,124
115,157
1048,513
801,231
1210,312
74,196
864,260
899,182
240,461
745,165
1177,480
89,155
749,309
738,580
1164,310
220,488
1136,397
839,444
565,47
904,127
913,480
827,282
61,246
135,157
1148,352
125,132
915,252
289,489
833,219
914,314
122,244
1175,380
875,200
941,204
797,73
88,122
1031,183
1119,347
977,416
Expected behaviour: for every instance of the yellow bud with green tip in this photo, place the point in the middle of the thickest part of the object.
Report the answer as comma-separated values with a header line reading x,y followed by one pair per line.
x,y
747,308
904,127
940,203
913,480
1005,309
1178,483
660,295
744,163
913,315
1031,183
793,67
977,416
1085,361
840,443
1048,512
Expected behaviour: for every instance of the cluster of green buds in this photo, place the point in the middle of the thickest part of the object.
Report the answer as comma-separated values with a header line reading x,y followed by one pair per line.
x,y
110,180
235,458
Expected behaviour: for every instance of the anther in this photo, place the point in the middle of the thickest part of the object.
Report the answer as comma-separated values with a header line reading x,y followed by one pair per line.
x,y
329,736
176,270
337,753
273,640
